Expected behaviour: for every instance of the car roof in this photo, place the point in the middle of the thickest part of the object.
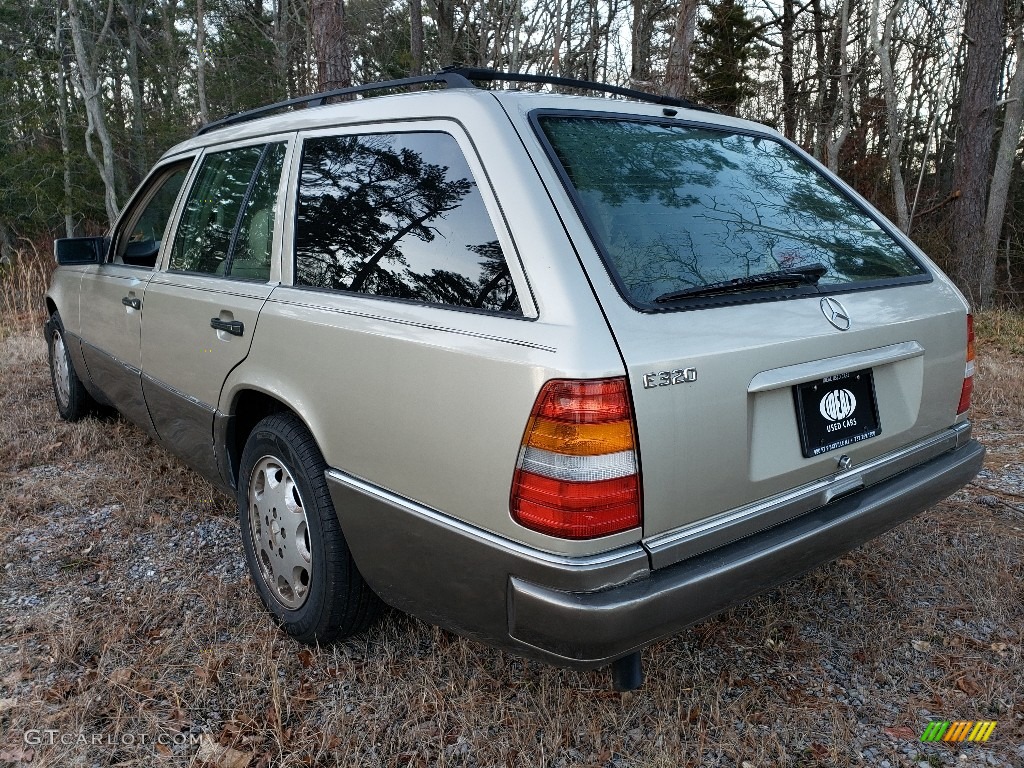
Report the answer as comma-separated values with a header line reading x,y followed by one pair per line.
x,y
454,103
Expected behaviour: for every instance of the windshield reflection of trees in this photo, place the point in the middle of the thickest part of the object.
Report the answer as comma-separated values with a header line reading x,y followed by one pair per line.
x,y
363,204
680,206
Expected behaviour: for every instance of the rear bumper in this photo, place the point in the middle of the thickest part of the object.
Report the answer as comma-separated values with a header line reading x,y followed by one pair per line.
x,y
586,612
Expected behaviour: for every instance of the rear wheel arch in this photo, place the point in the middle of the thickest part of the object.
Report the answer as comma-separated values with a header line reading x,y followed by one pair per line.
x,y
249,406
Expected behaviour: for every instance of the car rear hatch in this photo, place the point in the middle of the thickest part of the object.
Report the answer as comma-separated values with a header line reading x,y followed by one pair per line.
x,y
783,345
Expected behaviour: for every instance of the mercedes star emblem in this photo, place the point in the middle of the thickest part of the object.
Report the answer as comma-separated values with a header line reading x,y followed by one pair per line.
x,y
835,313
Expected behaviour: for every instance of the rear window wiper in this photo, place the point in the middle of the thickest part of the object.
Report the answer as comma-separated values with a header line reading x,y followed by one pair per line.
x,y
806,275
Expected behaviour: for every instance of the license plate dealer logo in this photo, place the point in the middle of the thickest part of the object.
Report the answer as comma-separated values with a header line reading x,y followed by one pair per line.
x,y
838,404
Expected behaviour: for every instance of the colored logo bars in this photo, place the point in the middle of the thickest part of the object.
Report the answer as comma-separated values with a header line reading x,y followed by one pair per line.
x,y
959,730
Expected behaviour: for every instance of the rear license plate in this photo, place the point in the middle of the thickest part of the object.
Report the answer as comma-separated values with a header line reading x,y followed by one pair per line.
x,y
836,411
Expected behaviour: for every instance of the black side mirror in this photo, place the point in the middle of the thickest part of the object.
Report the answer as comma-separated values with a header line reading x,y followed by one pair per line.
x,y
80,250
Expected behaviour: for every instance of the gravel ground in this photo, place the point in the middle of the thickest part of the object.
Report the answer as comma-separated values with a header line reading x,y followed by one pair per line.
x,y
130,632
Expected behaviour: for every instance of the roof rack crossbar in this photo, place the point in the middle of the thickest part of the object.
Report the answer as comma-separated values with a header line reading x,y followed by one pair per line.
x,y
451,77
450,80
473,73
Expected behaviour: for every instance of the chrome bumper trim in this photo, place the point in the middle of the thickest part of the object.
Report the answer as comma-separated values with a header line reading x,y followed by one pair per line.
x,y
682,543
619,564
585,612
588,630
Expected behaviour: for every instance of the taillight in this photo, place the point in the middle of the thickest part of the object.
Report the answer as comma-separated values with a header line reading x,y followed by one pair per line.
x,y
577,475
968,387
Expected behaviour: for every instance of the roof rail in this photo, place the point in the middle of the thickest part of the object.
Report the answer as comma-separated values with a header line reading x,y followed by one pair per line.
x,y
451,77
473,73
450,80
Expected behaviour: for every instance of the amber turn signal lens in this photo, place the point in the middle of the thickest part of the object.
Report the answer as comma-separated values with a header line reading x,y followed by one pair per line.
x,y
577,475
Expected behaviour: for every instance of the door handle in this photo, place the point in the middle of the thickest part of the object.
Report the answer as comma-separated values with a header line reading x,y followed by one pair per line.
x,y
131,301
234,327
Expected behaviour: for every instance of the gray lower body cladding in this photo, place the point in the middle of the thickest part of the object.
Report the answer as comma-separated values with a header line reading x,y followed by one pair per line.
x,y
586,612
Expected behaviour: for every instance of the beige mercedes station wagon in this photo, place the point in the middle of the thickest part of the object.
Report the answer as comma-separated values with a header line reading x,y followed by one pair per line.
x,y
562,373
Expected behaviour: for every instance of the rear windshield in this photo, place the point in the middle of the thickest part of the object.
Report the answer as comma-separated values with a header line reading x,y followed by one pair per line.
x,y
674,208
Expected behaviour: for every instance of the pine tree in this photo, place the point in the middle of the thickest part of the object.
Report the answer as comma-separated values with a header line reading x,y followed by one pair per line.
x,y
724,51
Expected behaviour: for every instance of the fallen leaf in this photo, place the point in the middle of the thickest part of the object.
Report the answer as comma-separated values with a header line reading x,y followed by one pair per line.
x,y
306,658
271,716
220,756
120,676
968,686
17,755
163,749
901,732
999,647
58,691
921,645
819,751
207,675
87,549
424,730
6,704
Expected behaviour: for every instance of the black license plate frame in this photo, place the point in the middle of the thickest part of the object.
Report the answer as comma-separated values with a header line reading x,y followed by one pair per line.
x,y
836,411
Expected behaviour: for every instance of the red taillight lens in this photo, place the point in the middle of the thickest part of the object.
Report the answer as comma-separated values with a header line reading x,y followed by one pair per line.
x,y
968,387
577,474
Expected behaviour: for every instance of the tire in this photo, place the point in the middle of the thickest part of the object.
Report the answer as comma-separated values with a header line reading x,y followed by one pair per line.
x,y
294,547
73,402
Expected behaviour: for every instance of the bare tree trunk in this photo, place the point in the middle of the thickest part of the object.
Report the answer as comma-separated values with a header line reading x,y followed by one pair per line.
x,y
819,119
677,68
204,111
882,47
788,86
139,161
556,53
282,47
835,146
416,37
640,44
984,32
1003,169
517,27
330,41
172,67
62,119
89,86
444,17
593,44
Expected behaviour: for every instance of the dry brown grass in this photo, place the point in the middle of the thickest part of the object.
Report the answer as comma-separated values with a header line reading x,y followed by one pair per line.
x,y
22,286
843,667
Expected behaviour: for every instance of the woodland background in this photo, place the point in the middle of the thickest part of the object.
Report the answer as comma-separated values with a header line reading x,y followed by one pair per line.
x,y
916,103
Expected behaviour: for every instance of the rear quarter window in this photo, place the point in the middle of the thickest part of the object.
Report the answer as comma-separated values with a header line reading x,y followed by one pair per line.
x,y
398,215
673,207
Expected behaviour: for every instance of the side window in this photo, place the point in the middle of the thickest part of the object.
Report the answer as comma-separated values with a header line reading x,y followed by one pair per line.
x,y
398,215
138,243
228,222
250,258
